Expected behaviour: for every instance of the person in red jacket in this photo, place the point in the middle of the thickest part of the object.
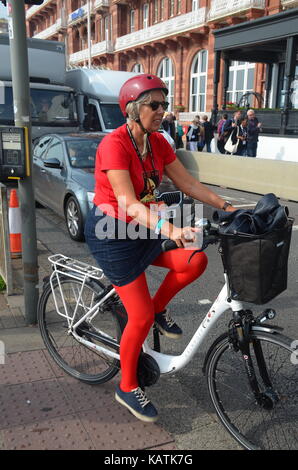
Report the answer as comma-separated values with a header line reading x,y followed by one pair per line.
x,y
130,163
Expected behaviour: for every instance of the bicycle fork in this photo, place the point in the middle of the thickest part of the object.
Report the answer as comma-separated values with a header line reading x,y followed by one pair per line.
x,y
239,333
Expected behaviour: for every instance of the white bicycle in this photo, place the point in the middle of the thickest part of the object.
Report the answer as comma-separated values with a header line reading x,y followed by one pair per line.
x,y
251,369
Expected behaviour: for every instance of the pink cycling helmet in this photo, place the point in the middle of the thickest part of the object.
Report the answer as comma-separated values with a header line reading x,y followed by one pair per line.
x,y
134,87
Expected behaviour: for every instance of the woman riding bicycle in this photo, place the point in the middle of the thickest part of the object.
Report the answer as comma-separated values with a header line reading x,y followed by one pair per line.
x,y
129,165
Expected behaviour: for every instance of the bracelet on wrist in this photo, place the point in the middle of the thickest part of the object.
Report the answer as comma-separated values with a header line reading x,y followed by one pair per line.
x,y
158,226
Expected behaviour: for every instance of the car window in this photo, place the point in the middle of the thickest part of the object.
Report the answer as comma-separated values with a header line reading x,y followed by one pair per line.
x,y
55,150
41,146
82,152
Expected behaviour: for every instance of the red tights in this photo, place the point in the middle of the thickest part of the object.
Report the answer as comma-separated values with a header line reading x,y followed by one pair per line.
x,y
141,308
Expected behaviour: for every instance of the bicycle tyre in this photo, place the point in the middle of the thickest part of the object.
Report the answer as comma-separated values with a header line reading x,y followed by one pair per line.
x,y
73,357
254,427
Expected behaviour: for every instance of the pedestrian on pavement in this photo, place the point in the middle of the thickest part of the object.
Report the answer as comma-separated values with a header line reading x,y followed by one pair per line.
x,y
130,163
193,135
208,132
242,137
253,131
220,133
168,125
179,134
230,127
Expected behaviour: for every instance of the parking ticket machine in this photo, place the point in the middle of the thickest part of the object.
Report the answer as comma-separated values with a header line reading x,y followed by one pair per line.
x,y
14,153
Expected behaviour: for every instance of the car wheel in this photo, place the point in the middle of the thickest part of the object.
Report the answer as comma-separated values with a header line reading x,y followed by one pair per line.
x,y
74,219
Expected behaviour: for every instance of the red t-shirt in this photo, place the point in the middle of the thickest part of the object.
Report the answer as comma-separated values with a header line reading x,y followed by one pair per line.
x,y
116,152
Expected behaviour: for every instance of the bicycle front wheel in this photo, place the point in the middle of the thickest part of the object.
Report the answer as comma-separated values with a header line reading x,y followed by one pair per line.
x,y
75,358
273,427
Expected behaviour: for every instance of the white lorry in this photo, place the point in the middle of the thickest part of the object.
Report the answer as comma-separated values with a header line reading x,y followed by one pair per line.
x,y
97,94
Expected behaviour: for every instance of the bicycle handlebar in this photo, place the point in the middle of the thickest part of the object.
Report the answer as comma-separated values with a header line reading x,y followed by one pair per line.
x,y
210,237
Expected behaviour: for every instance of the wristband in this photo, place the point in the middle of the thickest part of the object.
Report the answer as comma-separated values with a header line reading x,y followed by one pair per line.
x,y
159,225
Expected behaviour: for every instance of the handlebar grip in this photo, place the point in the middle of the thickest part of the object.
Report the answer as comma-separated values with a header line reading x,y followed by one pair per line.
x,y
168,245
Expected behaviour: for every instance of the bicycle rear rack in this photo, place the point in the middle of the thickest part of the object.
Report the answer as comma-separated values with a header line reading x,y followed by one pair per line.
x,y
73,268
64,266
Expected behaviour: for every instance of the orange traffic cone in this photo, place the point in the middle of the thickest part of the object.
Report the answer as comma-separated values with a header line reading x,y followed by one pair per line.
x,y
14,217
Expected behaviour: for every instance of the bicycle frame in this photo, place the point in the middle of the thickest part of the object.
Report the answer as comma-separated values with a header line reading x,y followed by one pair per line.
x,y
167,363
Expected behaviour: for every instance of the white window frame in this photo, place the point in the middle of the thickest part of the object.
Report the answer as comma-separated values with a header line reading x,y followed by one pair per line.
x,y
169,79
195,5
162,9
145,15
233,90
155,11
171,8
132,21
198,75
137,68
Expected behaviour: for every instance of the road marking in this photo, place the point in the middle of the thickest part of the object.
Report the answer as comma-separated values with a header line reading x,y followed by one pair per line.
x,y
243,205
204,301
233,198
295,228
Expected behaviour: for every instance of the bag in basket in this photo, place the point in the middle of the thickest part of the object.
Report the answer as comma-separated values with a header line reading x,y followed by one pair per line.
x,y
257,265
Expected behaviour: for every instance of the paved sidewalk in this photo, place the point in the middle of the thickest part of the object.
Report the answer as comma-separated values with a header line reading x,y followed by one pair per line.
x,y
42,408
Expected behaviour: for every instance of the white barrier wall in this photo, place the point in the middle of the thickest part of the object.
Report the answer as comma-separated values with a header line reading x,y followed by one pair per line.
x,y
278,148
273,148
256,175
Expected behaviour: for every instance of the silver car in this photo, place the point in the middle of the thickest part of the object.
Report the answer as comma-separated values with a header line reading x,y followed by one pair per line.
x,y
63,176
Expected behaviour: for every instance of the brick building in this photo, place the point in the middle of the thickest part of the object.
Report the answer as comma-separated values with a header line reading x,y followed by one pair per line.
x,y
171,38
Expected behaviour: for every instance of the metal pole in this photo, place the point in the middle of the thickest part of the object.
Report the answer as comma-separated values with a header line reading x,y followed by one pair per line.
x,y
21,101
89,33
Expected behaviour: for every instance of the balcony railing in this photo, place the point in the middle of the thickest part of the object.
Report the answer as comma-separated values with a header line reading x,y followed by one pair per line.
x,y
102,47
223,8
175,25
34,9
101,3
48,32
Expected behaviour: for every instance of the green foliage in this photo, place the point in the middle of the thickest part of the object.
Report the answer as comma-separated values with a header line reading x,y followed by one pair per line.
x,y
2,284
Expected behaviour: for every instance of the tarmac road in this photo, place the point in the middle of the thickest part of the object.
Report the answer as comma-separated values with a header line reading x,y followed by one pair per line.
x,y
184,407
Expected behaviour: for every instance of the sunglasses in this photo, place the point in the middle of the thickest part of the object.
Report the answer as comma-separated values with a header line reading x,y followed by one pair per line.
x,y
154,105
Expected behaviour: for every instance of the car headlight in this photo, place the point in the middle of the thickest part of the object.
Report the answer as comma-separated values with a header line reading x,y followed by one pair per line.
x,y
90,196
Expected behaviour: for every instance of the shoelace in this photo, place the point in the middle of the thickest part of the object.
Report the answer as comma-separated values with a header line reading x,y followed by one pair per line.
x,y
143,400
168,319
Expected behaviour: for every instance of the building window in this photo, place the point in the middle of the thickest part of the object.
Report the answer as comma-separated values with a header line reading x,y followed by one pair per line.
x,y
178,6
145,15
137,68
171,7
198,82
132,21
162,8
241,80
281,88
155,11
195,5
166,73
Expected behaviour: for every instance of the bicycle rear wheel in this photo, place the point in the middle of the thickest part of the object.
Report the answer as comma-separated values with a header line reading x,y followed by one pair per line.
x,y
75,358
251,424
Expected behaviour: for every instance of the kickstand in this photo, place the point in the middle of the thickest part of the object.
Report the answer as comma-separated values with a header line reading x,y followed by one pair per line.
x,y
156,340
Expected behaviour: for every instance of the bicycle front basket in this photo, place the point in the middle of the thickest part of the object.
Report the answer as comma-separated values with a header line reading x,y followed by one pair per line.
x,y
257,265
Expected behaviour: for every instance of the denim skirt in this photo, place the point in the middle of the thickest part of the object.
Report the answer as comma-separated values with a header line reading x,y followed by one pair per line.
x,y
123,251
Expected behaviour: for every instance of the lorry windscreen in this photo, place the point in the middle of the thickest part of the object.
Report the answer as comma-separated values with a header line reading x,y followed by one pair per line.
x,y
112,115
48,108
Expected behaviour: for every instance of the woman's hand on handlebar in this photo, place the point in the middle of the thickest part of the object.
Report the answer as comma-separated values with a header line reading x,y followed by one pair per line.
x,y
182,236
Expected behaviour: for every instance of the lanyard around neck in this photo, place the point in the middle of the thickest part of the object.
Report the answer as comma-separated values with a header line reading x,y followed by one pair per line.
x,y
138,152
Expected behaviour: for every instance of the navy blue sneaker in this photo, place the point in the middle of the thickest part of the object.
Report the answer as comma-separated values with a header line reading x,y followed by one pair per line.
x,y
137,402
166,325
